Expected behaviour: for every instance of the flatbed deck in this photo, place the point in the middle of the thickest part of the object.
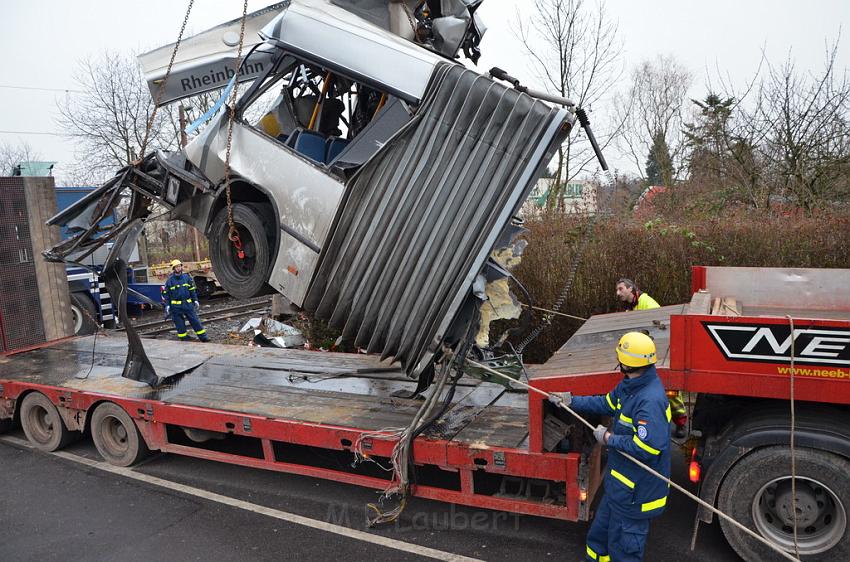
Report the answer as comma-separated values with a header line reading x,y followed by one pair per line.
x,y
346,390
591,348
276,402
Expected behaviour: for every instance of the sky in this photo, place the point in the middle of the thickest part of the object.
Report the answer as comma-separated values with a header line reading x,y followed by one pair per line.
x,y
42,42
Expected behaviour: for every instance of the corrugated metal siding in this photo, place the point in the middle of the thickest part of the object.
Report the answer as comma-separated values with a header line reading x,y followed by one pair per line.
x,y
419,221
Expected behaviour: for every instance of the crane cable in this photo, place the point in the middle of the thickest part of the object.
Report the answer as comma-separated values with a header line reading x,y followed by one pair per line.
x,y
792,444
161,90
652,471
232,231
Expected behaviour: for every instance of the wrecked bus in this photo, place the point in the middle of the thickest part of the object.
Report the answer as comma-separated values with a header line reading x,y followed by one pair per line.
x,y
371,174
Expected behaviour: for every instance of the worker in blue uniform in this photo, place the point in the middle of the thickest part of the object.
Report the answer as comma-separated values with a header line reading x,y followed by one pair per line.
x,y
641,428
180,298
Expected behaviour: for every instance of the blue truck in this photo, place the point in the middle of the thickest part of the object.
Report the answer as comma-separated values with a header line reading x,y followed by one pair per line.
x,y
91,304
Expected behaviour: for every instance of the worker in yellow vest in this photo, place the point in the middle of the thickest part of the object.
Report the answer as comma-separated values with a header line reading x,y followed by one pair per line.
x,y
634,299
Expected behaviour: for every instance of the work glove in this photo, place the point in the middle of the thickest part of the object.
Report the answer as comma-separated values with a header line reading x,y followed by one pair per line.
x,y
565,398
600,433
197,305
167,311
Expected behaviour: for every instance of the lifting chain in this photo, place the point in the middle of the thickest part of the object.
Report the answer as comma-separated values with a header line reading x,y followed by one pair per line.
x,y
571,276
232,231
161,90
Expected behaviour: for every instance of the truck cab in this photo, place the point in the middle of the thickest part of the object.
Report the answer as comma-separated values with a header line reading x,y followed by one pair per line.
x,y
763,355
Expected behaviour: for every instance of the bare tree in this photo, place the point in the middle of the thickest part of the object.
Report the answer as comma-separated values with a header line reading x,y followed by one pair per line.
x,y
788,133
575,53
806,124
12,155
652,111
108,121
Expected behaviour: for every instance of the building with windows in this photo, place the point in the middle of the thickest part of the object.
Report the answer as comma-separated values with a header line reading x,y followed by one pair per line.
x,y
578,196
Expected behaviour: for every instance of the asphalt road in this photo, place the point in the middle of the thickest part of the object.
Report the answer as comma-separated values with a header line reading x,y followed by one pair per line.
x,y
53,508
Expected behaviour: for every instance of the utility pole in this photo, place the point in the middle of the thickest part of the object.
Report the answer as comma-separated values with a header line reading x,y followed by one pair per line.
x,y
184,140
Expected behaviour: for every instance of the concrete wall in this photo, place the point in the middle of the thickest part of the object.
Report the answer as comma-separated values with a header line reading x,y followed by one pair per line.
x,y
51,278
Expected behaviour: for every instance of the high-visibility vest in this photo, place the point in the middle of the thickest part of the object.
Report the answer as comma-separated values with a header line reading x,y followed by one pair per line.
x,y
645,302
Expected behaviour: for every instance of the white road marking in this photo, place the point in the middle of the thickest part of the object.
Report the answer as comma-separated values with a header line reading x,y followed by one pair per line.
x,y
252,507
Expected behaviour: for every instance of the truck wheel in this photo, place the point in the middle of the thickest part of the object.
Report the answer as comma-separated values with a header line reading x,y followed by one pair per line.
x,y
756,492
42,423
83,312
243,277
116,436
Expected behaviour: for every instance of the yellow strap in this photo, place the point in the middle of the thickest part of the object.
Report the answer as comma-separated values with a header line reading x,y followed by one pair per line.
x,y
669,416
176,302
186,285
649,506
608,398
645,447
189,300
201,332
622,479
625,418
183,335
605,558
381,103
591,553
325,85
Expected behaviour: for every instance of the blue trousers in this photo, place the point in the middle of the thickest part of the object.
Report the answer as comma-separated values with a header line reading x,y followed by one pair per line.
x,y
615,538
180,314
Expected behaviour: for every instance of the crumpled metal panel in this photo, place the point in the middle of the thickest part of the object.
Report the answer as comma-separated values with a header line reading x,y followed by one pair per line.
x,y
418,221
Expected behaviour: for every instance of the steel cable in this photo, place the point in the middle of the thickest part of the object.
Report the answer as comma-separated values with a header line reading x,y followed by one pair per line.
x,y
652,471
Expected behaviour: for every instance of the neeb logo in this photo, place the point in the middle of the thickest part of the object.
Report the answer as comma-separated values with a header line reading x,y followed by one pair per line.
x,y
773,343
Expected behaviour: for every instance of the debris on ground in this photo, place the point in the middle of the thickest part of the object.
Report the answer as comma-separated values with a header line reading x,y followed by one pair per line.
x,y
271,333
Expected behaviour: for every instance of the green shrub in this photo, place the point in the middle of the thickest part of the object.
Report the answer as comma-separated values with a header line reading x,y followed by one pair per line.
x,y
658,255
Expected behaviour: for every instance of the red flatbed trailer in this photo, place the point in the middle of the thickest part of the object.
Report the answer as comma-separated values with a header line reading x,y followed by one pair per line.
x,y
273,409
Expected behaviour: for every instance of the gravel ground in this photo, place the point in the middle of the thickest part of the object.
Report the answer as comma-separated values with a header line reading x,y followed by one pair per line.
x,y
219,331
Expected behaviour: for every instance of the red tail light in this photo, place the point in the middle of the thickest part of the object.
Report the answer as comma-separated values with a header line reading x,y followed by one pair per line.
x,y
694,472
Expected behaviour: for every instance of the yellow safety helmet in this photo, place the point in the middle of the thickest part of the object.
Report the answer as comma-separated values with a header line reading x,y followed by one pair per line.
x,y
175,263
636,350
